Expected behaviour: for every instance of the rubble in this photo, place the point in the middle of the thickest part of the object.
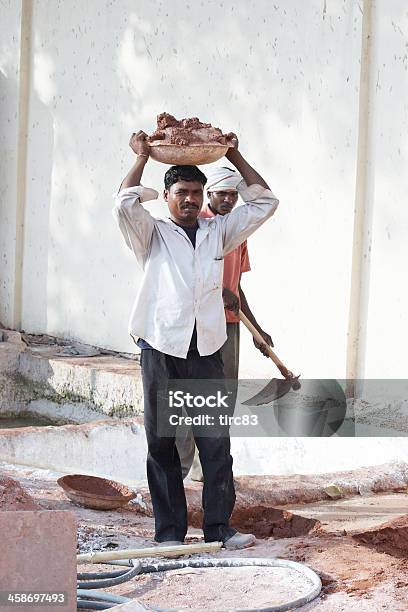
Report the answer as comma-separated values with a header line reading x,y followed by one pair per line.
x,y
14,497
185,132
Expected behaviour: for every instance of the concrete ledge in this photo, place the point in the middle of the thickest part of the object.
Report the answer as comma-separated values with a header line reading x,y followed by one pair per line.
x,y
35,379
112,385
111,449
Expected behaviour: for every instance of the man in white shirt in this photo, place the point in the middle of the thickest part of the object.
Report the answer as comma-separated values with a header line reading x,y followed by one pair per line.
x,y
179,319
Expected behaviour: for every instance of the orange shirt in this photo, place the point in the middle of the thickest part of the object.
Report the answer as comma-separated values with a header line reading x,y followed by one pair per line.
x,y
235,263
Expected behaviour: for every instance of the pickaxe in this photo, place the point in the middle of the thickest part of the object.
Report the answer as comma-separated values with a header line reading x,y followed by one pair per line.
x,y
277,387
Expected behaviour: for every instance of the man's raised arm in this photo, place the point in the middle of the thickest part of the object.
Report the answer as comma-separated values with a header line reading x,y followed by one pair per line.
x,y
260,202
248,173
135,222
139,145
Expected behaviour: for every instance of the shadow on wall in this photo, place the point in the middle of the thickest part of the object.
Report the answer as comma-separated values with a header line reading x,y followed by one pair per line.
x,y
37,236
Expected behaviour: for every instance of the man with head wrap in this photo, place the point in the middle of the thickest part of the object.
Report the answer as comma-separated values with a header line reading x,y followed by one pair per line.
x,y
222,193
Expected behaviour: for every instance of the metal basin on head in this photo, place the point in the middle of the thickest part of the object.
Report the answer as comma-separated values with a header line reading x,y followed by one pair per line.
x,y
193,154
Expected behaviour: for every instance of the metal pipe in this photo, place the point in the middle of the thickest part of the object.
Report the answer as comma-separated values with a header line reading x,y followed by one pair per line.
x,y
137,553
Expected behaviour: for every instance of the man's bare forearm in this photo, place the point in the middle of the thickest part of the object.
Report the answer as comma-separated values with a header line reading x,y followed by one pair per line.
x,y
248,313
246,309
134,176
249,174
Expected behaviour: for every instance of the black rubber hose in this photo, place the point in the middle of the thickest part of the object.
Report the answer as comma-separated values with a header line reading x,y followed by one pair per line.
x,y
98,600
104,580
93,605
96,575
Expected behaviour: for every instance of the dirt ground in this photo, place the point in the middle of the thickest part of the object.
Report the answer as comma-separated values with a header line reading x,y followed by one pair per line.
x,y
357,545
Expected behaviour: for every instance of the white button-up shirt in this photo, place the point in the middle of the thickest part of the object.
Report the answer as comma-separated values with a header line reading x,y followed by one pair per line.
x,y
181,285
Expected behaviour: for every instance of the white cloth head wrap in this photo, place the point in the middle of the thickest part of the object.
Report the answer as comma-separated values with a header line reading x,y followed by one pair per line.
x,y
220,179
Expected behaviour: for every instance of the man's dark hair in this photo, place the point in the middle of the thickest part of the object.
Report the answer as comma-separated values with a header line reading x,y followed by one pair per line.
x,y
183,173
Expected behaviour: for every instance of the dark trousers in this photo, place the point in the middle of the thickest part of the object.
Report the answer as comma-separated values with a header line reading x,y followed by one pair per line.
x,y
163,463
186,447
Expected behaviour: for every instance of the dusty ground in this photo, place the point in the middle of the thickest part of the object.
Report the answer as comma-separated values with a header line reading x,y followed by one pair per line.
x,y
362,567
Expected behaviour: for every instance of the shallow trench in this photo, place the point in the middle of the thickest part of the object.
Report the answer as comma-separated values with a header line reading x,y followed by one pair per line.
x,y
266,522
390,537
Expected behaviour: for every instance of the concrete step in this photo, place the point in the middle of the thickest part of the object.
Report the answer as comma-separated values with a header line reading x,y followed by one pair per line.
x,y
74,389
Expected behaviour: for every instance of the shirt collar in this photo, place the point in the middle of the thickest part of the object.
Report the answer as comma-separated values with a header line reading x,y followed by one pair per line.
x,y
206,212
201,220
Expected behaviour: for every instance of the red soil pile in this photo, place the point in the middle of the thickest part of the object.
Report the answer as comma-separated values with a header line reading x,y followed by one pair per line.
x,y
185,132
14,497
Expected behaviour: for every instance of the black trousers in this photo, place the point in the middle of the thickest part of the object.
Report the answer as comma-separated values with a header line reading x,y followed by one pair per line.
x,y
163,463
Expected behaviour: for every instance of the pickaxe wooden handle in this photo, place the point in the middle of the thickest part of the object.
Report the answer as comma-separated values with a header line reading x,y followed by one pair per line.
x,y
259,338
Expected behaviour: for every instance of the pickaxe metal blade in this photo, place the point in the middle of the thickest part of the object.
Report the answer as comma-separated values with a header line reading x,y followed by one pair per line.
x,y
276,388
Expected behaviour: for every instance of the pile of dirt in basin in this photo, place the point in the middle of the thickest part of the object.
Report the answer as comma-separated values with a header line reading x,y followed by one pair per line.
x,y
186,132
14,497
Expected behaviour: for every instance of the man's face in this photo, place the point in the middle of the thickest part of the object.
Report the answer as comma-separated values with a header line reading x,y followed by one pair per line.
x,y
184,199
222,202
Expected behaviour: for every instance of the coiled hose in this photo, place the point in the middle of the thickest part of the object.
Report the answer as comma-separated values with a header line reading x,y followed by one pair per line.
x,y
163,566
96,600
